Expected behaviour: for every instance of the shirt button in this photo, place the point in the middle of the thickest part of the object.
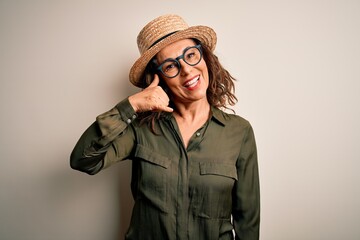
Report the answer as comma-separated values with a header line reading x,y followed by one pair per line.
x,y
198,134
128,121
134,116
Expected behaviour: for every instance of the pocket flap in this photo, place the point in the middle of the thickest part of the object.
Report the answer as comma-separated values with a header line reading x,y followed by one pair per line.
x,y
221,169
151,156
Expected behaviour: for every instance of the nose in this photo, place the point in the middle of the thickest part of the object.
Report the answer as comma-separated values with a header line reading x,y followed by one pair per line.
x,y
185,68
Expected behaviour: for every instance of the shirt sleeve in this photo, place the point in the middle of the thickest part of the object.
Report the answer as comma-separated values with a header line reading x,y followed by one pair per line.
x,y
246,202
108,140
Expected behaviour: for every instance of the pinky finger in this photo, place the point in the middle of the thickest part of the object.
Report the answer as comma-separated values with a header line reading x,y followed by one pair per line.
x,y
162,108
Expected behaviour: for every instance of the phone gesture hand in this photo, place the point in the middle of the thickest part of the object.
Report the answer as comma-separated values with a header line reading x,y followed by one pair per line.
x,y
152,98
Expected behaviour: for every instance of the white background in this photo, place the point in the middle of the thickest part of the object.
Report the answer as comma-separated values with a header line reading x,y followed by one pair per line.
x,y
298,70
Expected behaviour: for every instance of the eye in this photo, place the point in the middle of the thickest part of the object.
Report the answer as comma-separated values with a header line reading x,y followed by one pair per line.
x,y
190,55
169,66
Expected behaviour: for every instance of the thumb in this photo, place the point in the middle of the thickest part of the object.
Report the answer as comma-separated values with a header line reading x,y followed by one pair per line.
x,y
155,82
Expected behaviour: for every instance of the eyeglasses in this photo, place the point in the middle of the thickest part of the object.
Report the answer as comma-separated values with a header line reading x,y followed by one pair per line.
x,y
171,67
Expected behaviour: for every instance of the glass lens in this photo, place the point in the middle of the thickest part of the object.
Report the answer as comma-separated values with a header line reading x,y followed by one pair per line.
x,y
192,56
170,68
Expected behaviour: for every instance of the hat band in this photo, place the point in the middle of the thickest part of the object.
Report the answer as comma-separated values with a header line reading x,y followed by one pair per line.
x,y
163,37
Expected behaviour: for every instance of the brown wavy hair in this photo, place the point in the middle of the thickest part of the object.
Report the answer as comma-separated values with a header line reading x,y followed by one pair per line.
x,y
220,92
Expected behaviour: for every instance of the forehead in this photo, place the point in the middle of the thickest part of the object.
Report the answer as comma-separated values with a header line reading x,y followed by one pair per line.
x,y
174,49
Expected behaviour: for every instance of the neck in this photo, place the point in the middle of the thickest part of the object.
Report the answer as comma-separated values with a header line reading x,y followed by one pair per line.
x,y
192,111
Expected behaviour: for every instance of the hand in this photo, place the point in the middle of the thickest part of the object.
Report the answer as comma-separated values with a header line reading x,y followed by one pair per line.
x,y
152,98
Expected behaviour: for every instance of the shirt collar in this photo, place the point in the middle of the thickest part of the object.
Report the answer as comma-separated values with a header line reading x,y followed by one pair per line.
x,y
216,114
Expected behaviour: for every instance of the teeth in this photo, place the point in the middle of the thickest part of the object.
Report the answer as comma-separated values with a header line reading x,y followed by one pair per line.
x,y
188,84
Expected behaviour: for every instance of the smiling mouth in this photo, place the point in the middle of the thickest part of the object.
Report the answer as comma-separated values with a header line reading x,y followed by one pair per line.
x,y
191,83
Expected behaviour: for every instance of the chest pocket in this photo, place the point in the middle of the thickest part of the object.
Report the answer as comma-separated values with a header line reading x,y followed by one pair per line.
x,y
153,172
219,169
212,190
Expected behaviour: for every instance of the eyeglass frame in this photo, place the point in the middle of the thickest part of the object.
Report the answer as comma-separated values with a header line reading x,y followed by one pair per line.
x,y
176,60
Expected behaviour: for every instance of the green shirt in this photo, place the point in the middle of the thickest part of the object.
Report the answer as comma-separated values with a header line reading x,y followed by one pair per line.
x,y
202,192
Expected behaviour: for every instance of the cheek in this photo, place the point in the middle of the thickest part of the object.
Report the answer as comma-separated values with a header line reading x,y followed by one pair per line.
x,y
166,83
205,72
169,86
203,67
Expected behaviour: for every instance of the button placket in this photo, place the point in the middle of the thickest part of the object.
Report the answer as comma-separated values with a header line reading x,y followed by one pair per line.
x,y
132,118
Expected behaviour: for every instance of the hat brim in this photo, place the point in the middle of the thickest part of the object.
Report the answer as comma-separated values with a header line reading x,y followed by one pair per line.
x,y
204,34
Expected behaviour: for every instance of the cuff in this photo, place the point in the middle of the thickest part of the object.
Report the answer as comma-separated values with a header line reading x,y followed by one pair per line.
x,y
126,111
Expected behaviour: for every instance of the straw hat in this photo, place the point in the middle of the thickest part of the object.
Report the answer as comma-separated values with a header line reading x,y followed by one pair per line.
x,y
161,32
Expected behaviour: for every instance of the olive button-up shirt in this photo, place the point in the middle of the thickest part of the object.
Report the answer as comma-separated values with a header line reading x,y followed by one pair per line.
x,y
202,192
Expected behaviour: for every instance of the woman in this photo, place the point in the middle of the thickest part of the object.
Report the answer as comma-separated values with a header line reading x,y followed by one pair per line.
x,y
194,167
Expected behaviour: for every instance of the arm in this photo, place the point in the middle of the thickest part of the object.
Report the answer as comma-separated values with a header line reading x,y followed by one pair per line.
x,y
110,139
246,196
96,150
